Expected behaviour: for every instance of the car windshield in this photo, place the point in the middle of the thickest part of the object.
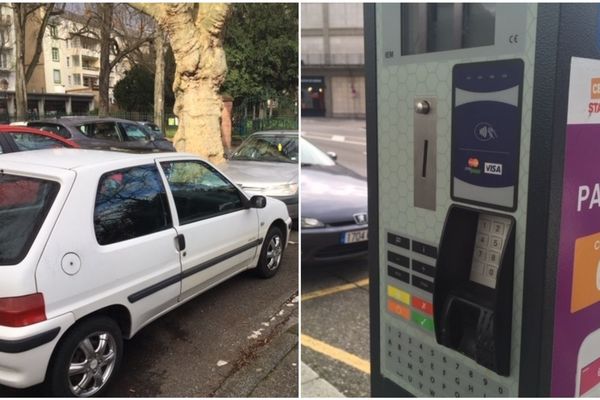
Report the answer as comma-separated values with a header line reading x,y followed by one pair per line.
x,y
24,203
311,155
278,148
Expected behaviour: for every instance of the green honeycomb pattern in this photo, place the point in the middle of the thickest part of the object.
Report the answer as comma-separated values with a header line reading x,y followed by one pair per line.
x,y
398,86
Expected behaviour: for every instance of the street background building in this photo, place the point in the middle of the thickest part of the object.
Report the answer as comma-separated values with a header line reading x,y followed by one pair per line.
x,y
333,79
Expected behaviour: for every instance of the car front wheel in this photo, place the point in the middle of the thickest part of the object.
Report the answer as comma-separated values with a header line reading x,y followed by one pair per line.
x,y
87,359
271,253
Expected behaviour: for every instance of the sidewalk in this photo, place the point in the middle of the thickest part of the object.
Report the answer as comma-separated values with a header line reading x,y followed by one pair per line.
x,y
314,386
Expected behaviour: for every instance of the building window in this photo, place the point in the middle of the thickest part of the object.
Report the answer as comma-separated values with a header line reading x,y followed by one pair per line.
x,y
68,61
56,76
77,79
76,61
55,56
69,79
53,31
4,59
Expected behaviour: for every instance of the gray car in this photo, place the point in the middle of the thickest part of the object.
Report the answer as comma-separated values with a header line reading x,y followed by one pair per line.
x,y
105,134
266,163
334,209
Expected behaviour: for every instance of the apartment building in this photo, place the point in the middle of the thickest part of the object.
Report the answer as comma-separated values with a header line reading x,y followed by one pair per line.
x,y
65,79
332,55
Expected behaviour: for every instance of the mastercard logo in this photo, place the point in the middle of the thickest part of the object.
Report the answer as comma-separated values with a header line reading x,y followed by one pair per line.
x,y
473,162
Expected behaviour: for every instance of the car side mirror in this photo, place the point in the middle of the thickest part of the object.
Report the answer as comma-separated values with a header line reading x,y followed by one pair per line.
x,y
258,202
332,155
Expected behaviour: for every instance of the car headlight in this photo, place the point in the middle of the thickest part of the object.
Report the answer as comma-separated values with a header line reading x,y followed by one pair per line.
x,y
311,223
287,189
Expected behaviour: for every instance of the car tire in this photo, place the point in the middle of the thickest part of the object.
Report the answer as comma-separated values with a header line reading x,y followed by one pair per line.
x,y
271,253
92,350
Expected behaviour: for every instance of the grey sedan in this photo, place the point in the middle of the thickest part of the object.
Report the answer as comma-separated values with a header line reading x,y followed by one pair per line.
x,y
334,209
266,163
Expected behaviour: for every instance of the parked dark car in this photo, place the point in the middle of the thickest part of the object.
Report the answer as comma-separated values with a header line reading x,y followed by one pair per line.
x,y
105,134
333,208
21,138
152,129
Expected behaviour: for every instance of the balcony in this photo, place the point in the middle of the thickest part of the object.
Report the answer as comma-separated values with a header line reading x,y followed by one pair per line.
x,y
333,59
90,68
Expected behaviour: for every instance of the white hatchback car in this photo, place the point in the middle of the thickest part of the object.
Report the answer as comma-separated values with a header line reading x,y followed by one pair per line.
x,y
94,245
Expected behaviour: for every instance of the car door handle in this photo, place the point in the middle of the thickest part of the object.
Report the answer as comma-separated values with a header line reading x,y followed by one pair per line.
x,y
180,242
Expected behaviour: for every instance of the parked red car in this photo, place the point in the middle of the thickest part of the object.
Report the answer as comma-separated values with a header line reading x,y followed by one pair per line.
x,y
21,138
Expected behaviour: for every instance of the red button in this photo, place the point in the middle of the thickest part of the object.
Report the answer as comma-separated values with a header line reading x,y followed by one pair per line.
x,y
422,305
590,377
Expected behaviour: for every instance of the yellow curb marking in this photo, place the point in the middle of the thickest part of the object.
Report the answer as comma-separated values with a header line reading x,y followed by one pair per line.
x,y
335,353
335,289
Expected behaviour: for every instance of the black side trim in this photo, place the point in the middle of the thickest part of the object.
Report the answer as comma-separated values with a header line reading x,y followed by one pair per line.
x,y
194,270
154,288
221,258
21,345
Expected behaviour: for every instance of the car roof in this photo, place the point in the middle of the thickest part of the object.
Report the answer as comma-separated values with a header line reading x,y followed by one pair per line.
x,y
70,121
82,158
34,131
276,133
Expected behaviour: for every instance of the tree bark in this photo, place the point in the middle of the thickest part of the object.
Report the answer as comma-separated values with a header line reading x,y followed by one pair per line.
x,y
106,13
20,84
159,80
195,35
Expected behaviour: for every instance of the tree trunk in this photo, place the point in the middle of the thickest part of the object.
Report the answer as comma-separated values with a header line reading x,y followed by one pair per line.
x,y
195,33
159,80
20,84
106,11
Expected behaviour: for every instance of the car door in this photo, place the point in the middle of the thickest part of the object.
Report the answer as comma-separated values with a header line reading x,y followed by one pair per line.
x,y
102,135
136,138
218,233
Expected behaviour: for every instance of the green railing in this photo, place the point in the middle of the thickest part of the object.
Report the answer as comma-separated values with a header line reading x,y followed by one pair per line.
x,y
246,127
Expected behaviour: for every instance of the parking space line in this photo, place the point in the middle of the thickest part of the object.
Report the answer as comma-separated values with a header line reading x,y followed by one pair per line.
x,y
335,353
335,289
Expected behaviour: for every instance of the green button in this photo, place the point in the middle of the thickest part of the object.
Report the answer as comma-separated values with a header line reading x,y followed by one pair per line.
x,y
422,321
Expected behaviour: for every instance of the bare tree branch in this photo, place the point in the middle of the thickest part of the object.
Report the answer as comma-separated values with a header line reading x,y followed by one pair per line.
x,y
38,41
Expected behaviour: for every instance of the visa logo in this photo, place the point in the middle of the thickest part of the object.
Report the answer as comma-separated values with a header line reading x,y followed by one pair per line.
x,y
493,169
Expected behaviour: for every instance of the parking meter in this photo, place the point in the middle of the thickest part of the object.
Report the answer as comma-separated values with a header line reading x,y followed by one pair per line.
x,y
483,149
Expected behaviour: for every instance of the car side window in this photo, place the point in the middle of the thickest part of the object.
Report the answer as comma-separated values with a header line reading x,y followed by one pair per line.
x,y
101,130
30,141
130,203
200,191
59,130
133,132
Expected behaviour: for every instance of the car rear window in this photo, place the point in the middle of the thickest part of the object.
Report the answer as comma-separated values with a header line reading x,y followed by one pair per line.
x,y
54,128
24,204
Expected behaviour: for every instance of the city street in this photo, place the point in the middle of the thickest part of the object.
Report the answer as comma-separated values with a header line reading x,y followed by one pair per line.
x,y
239,339
335,297
346,137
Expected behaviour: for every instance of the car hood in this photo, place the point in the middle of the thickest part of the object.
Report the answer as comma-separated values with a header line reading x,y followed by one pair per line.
x,y
332,194
259,173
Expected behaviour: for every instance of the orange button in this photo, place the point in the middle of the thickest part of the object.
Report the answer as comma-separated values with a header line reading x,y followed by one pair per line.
x,y
422,305
398,309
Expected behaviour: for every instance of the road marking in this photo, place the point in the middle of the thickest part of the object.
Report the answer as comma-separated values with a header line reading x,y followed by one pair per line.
x,y
334,138
335,289
335,353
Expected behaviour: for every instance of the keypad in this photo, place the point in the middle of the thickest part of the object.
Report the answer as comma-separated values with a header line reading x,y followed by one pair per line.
x,y
492,232
429,371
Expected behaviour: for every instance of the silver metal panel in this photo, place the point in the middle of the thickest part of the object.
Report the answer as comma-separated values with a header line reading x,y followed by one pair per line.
x,y
502,196
425,153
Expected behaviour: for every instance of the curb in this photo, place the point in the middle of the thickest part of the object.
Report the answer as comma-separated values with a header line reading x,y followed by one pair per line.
x,y
312,385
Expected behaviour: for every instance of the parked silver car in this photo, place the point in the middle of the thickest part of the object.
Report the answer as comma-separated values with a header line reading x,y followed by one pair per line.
x,y
266,163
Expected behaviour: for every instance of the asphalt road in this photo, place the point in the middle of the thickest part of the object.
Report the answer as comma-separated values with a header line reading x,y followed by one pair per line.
x,y
346,137
235,340
335,297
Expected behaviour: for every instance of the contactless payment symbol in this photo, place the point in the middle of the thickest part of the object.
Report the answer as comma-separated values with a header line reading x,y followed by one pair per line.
x,y
586,272
484,131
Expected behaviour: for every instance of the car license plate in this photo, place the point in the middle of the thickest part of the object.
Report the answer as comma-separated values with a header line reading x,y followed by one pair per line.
x,y
355,236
